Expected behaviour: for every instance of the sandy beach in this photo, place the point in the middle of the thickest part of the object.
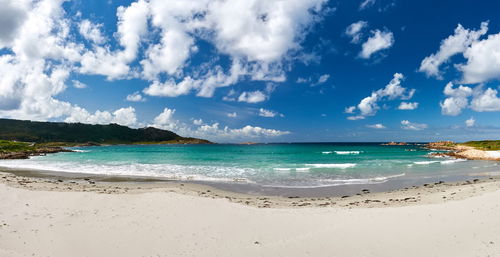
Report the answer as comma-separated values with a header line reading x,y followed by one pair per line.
x,y
48,217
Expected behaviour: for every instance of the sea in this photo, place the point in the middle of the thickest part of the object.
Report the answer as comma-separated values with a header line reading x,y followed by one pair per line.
x,y
294,165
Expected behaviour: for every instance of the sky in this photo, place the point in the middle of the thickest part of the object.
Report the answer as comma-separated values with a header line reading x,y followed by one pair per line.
x,y
257,70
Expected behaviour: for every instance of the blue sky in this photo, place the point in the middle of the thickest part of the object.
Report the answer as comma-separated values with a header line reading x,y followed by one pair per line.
x,y
256,70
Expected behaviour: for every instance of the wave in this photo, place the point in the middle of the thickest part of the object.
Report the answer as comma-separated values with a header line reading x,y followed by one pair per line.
x,y
80,151
161,171
453,161
425,162
347,152
332,165
441,162
341,182
327,152
291,169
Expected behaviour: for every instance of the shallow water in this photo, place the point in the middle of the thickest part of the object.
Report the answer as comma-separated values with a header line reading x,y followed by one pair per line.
x,y
266,165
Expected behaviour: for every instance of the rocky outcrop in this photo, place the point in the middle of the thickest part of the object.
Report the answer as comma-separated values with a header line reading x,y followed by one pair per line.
x,y
396,143
36,152
463,151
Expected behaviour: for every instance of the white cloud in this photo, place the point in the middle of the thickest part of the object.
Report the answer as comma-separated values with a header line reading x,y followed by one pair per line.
x,y
379,40
483,61
213,131
356,117
252,97
198,122
123,116
482,55
258,36
355,31
462,97
376,126
135,97
41,51
408,106
368,106
165,120
366,4
314,82
486,101
172,89
405,124
260,30
78,84
268,113
91,32
323,78
457,99
232,115
470,122
12,16
454,44
350,109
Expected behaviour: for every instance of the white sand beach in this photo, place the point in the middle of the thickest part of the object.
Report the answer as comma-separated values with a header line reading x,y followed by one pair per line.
x,y
45,222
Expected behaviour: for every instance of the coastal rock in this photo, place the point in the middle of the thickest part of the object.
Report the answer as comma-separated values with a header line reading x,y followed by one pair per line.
x,y
35,152
396,143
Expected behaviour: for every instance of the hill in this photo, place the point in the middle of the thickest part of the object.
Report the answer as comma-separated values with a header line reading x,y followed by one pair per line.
x,y
488,145
60,133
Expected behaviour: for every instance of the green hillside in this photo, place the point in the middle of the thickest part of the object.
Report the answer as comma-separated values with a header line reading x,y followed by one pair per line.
x,y
77,133
489,145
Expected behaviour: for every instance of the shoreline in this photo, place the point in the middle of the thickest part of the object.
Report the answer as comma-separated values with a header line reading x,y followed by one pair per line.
x,y
432,192
80,217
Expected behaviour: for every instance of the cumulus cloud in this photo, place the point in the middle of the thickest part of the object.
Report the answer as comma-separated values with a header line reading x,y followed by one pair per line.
x,y
154,40
268,113
198,122
257,35
123,116
482,55
135,97
378,41
12,16
350,109
172,89
354,31
486,101
483,61
405,124
376,126
91,32
252,97
165,120
368,106
408,106
454,44
232,115
457,99
469,123
461,97
214,131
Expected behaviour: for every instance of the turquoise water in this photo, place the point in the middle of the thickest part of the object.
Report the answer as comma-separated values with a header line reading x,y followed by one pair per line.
x,y
273,165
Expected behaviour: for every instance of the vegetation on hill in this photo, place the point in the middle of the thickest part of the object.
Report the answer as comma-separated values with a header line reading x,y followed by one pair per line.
x,y
488,145
8,146
72,134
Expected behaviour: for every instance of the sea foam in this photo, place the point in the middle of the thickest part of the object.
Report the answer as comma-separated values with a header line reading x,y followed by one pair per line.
x,y
347,152
332,165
